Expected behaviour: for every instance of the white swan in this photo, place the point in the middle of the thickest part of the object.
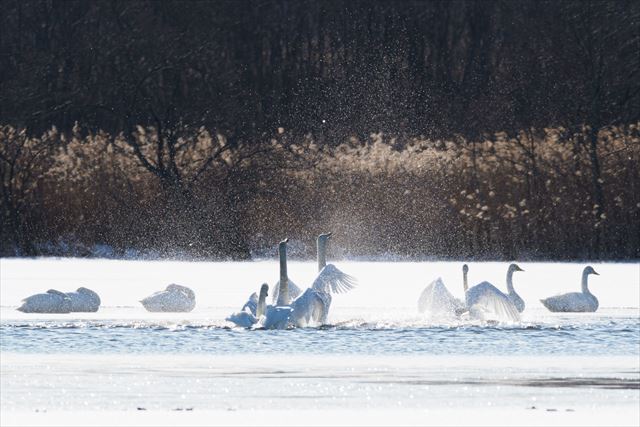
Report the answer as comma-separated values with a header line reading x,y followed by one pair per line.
x,y
293,289
278,316
174,298
253,309
513,296
84,300
436,299
312,307
50,302
487,303
583,301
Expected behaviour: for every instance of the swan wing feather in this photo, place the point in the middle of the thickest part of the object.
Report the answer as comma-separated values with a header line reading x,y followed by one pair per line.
x,y
332,280
252,304
489,303
437,298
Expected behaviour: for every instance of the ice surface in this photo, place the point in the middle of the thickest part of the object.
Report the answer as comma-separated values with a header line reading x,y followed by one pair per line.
x,y
378,362
382,285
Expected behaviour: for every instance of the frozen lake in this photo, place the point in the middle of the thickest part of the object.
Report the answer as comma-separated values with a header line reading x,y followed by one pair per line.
x,y
376,354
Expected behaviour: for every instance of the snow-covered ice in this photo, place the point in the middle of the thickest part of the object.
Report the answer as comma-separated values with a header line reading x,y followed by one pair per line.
x,y
378,362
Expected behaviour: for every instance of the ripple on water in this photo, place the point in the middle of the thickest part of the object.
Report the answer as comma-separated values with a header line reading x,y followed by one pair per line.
x,y
619,336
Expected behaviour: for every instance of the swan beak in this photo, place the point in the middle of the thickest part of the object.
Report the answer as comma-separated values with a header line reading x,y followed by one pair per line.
x,y
596,273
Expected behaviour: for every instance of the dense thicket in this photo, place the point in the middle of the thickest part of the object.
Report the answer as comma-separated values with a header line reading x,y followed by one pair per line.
x,y
189,99
527,196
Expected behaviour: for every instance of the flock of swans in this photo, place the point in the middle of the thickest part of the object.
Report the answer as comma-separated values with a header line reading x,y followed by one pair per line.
x,y
486,302
292,307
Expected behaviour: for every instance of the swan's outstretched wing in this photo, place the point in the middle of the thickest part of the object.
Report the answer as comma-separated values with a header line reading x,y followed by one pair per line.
x,y
436,298
487,302
331,280
252,304
294,291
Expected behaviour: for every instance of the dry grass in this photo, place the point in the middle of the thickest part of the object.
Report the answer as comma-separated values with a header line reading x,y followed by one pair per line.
x,y
509,196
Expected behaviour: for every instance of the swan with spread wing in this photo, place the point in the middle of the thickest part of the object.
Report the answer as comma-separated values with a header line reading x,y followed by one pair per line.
x,y
487,303
312,307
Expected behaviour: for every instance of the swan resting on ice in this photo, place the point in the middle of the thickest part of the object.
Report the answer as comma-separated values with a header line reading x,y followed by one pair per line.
x,y
53,301
174,298
50,302
84,300
574,302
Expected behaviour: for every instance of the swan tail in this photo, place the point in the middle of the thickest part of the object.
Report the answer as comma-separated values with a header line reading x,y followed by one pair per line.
x,y
332,280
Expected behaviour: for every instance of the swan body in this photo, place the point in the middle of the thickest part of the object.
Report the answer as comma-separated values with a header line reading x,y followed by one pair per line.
x,y
436,299
487,303
50,302
574,302
174,298
84,300
276,317
513,296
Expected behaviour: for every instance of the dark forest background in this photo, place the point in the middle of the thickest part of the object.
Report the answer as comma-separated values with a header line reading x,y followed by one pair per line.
x,y
212,129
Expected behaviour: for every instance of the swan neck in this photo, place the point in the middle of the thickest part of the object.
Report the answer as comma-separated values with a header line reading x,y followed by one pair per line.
x,y
465,281
283,293
322,254
585,287
261,305
510,282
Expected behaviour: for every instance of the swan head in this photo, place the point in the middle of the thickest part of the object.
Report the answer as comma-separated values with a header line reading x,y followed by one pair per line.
x,y
86,291
589,270
181,289
514,267
283,243
324,237
465,268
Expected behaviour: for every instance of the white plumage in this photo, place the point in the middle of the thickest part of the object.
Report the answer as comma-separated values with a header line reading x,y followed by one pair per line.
x,y
174,298
84,300
50,302
487,303
512,294
436,300
583,301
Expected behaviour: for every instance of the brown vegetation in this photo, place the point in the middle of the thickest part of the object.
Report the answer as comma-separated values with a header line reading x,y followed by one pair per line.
x,y
526,195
